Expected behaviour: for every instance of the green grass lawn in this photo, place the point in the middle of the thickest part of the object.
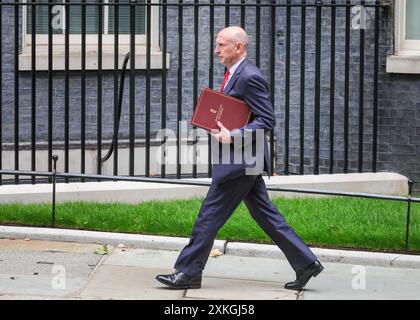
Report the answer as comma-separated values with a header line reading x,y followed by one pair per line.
x,y
325,222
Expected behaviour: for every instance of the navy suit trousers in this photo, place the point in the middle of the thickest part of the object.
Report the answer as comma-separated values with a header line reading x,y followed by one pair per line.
x,y
219,204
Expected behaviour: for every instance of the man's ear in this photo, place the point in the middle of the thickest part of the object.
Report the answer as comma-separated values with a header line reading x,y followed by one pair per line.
x,y
239,47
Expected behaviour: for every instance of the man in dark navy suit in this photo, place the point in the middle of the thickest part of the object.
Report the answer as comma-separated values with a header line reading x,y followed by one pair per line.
x,y
237,181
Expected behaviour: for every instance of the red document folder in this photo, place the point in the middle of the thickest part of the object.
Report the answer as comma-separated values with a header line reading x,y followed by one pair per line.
x,y
213,106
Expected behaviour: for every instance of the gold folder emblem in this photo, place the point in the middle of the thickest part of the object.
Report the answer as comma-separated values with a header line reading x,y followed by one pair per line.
x,y
218,112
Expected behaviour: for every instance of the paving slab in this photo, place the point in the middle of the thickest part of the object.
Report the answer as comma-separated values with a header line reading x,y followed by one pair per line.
x,y
74,265
39,285
356,282
146,258
133,271
128,283
236,277
44,269
246,268
237,289
223,266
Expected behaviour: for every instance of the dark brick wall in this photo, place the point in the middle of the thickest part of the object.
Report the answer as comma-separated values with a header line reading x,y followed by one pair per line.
x,y
399,124
399,106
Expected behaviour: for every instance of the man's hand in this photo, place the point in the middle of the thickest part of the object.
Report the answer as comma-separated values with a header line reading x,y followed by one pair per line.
x,y
222,135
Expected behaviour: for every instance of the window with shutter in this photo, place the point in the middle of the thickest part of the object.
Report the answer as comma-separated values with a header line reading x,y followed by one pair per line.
x,y
406,57
407,27
91,24
59,22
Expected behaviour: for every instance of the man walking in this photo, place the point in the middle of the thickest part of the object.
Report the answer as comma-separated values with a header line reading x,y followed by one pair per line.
x,y
232,183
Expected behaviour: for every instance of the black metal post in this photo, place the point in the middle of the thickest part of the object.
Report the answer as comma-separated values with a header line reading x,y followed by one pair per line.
x,y
302,89
83,92
332,86
287,88
346,88
99,91
116,99
243,14
257,32
211,68
50,88
16,87
164,76
179,107
361,84
33,90
407,227
227,13
67,91
132,90
317,113
1,95
375,89
148,86
54,180
195,85
272,73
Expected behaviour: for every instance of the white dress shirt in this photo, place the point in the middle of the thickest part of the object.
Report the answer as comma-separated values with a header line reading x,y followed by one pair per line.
x,y
232,70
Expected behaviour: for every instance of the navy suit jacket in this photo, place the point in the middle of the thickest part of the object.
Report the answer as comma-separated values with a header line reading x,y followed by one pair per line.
x,y
247,84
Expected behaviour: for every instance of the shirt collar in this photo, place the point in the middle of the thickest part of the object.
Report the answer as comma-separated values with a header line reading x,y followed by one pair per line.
x,y
235,66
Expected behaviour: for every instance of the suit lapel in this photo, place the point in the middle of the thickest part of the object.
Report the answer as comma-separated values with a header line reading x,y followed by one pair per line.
x,y
235,77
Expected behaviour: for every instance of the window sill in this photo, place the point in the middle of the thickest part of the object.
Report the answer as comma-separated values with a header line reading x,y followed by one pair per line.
x,y
403,64
25,58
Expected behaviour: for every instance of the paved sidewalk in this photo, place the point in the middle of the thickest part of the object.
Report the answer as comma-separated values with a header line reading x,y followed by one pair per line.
x,y
37,269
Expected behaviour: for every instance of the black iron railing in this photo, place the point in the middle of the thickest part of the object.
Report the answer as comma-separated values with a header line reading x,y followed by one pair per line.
x,y
54,174
304,48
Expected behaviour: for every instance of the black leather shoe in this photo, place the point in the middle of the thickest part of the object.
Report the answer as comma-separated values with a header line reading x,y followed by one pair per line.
x,y
179,280
303,276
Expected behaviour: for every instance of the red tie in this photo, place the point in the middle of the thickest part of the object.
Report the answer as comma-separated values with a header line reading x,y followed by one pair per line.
x,y
225,79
